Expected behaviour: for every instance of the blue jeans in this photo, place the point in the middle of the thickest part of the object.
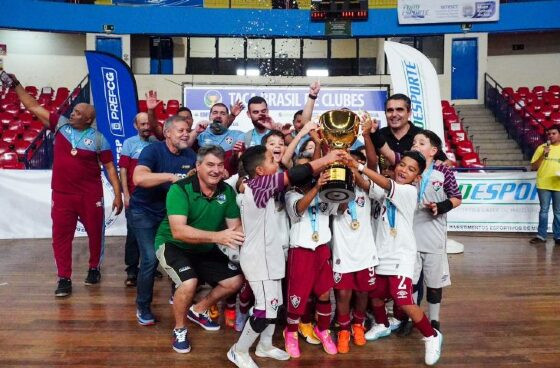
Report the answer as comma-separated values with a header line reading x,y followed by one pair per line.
x,y
145,226
545,196
131,253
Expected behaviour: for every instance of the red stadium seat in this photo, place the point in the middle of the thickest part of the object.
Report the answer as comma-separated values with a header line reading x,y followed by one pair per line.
x,y
10,160
539,90
30,135
62,94
530,98
462,148
507,92
12,109
15,126
10,136
554,89
470,159
142,107
36,125
523,91
6,117
537,105
458,136
21,147
554,103
546,111
554,118
448,112
4,147
32,90
445,103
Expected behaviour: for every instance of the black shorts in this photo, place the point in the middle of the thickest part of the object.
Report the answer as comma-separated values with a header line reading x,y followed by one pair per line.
x,y
182,265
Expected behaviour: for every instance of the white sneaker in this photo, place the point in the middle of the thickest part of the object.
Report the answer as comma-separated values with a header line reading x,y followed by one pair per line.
x,y
242,360
377,331
394,323
433,348
271,352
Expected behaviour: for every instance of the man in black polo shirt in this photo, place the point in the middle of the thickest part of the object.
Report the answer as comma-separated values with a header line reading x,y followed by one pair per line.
x,y
201,212
399,132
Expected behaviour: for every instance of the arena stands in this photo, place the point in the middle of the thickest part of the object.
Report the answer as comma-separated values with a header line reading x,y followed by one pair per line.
x,y
460,148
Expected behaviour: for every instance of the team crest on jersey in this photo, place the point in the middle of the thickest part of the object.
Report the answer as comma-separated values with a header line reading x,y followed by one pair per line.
x,y
323,206
274,304
232,266
295,300
221,198
99,204
437,185
88,142
361,201
337,277
371,281
229,140
402,294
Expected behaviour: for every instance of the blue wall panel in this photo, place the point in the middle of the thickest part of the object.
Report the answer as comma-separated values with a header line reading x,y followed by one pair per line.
x,y
64,17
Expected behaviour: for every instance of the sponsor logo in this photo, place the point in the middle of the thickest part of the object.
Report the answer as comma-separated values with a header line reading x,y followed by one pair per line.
x,y
183,269
295,300
415,92
361,201
510,191
221,198
323,207
371,281
185,167
274,304
414,12
212,97
402,294
484,9
337,277
229,140
113,98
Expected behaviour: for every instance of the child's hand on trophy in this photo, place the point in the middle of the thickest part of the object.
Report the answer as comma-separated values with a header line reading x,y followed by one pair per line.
x,y
323,179
337,155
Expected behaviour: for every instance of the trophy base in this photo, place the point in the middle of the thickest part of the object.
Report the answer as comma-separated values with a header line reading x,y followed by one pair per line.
x,y
337,191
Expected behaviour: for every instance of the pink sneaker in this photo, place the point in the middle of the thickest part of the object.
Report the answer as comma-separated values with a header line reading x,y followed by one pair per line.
x,y
325,337
292,343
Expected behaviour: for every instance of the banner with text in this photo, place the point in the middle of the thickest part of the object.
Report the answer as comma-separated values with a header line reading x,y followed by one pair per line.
x,y
415,76
497,202
447,11
283,102
115,98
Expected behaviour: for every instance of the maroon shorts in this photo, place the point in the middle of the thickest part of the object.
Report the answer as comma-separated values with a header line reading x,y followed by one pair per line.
x,y
398,288
363,280
308,271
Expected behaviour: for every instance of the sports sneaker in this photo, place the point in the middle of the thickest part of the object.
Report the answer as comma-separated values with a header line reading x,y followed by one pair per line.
x,y
64,287
435,325
170,300
130,281
229,316
214,312
93,276
394,323
405,328
180,341
145,317
203,320
158,274
242,360
377,331
537,240
271,352
306,331
343,341
358,333
326,340
433,348
240,320
291,343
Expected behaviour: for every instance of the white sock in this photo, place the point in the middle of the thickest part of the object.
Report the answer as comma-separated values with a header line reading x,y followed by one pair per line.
x,y
247,338
266,336
433,311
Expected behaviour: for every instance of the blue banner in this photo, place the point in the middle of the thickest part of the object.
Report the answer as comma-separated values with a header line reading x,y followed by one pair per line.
x,y
191,3
283,102
115,98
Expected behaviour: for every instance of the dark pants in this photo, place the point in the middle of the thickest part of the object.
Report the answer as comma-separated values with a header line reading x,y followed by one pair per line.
x,y
131,252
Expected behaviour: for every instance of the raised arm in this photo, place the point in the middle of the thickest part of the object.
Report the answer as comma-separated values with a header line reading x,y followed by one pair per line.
x,y
231,237
31,103
314,89
145,178
289,153
377,178
305,201
152,102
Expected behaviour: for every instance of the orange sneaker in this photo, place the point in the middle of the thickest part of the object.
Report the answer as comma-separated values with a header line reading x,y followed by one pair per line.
x,y
229,316
214,312
343,341
358,332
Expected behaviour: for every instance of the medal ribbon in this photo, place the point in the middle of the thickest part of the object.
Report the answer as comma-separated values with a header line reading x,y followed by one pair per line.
x,y
424,182
352,210
75,143
312,210
391,213
256,138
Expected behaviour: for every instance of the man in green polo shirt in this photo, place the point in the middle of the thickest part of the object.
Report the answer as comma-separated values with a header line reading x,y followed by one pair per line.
x,y
201,212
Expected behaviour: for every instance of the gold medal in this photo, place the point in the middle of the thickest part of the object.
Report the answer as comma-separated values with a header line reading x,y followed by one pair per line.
x,y
355,224
73,152
393,231
315,236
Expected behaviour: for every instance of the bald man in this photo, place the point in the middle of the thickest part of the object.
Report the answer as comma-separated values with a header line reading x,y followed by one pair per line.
x,y
129,159
77,192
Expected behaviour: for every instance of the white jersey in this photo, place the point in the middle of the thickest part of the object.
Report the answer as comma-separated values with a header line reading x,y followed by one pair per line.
x,y
265,227
354,250
302,229
396,251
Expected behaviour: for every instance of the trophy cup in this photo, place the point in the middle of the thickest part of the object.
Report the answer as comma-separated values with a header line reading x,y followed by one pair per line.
x,y
339,130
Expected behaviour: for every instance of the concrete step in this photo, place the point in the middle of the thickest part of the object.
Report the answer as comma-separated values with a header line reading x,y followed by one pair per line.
x,y
488,137
482,120
495,151
507,163
509,144
484,128
511,156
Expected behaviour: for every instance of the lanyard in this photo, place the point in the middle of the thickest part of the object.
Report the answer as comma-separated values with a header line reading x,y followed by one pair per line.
x,y
313,215
256,138
424,182
391,213
75,143
352,210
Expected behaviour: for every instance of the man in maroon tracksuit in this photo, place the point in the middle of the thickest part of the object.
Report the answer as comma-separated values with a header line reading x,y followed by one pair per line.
x,y
77,192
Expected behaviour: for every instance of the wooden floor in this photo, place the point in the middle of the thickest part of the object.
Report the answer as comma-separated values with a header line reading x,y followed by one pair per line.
x,y
503,310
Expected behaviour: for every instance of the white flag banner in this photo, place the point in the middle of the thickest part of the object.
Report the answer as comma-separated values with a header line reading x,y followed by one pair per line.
x,y
447,11
415,76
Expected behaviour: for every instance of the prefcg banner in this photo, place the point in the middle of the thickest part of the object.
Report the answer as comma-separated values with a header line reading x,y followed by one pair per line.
x,y
283,102
447,11
497,202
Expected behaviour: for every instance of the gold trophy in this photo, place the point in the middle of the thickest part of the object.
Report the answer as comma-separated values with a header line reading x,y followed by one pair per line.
x,y
339,130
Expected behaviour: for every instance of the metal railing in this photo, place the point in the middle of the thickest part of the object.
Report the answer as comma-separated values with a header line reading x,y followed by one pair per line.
x,y
520,124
